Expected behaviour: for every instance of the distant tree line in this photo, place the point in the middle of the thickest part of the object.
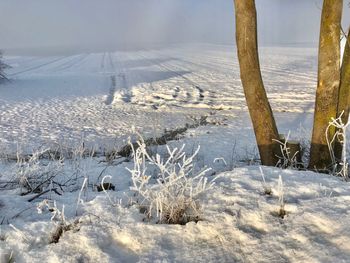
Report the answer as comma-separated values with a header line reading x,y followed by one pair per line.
x,y
3,67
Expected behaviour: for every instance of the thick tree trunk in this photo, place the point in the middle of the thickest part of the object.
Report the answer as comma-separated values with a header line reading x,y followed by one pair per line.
x,y
259,108
327,84
344,94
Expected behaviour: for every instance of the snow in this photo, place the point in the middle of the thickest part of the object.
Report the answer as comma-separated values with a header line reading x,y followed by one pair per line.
x,y
98,98
239,223
153,90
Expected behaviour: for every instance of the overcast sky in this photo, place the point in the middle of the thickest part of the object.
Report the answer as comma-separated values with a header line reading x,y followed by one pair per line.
x,y
99,24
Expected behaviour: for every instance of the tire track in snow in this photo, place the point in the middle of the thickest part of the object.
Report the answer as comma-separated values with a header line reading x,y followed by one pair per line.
x,y
118,81
273,70
38,66
67,62
202,95
123,82
217,63
194,84
112,78
111,63
206,90
112,90
103,61
71,63
155,99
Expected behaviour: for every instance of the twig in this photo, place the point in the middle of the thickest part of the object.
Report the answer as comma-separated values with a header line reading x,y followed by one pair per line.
x,y
42,193
18,214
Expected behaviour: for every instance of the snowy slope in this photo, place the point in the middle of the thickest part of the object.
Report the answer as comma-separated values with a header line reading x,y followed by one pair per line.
x,y
239,224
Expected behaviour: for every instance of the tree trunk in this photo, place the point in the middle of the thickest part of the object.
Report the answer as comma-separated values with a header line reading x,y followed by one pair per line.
x,y
327,84
344,94
259,108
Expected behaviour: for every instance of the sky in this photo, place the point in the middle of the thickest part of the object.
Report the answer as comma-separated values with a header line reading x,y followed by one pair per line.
x,y
109,24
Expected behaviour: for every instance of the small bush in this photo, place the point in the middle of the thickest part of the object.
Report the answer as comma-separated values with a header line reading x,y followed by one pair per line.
x,y
291,156
339,167
36,174
59,219
173,194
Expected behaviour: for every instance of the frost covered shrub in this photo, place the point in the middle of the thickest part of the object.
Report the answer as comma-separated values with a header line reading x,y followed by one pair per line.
x,y
173,194
35,174
58,217
339,167
289,158
49,169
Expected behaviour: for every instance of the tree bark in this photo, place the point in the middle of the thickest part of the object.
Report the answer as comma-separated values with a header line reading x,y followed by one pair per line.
x,y
259,108
344,94
327,84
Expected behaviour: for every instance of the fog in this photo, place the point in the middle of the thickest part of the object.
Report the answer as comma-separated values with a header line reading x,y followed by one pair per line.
x,y
119,24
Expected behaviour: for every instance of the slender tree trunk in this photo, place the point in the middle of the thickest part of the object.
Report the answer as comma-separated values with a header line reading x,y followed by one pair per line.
x,y
327,84
344,93
259,108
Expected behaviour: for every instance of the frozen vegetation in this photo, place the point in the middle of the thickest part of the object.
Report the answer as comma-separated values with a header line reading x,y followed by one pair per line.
x,y
149,156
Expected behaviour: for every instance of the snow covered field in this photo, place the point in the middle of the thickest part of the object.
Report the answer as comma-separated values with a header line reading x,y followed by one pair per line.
x,y
96,99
